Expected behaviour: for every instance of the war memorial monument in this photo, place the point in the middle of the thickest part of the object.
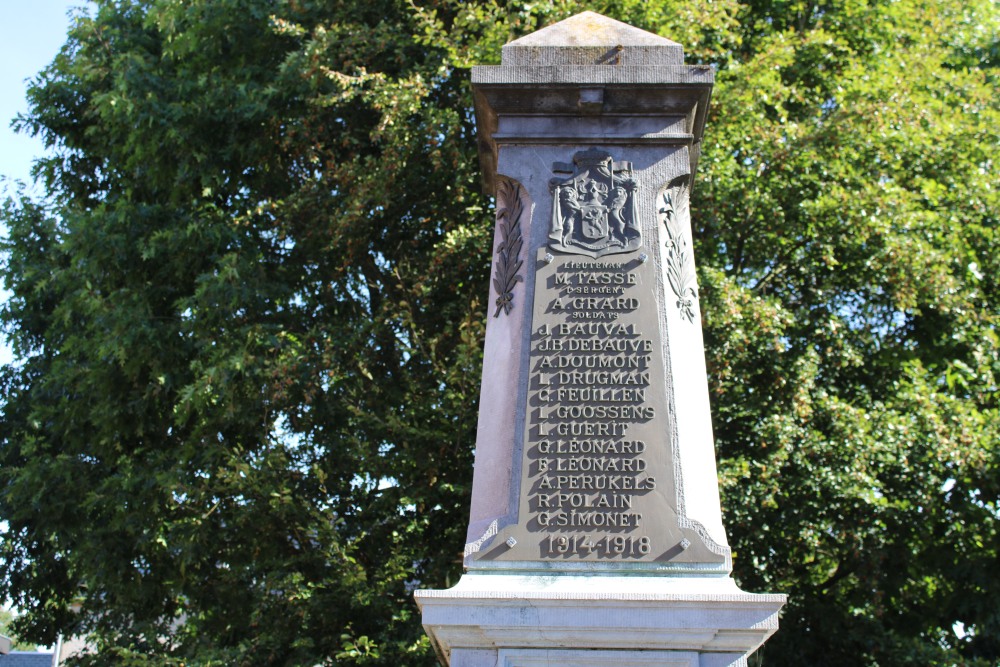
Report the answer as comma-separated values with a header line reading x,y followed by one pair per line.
x,y
595,535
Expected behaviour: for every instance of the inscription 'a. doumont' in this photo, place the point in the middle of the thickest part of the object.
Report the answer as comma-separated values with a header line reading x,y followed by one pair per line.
x,y
590,361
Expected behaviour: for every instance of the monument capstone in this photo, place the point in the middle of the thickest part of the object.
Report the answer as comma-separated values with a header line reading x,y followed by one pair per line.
x,y
596,534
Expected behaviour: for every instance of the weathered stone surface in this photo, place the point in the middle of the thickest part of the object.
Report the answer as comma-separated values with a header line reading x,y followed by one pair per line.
x,y
630,617
591,66
595,521
591,39
599,436
596,157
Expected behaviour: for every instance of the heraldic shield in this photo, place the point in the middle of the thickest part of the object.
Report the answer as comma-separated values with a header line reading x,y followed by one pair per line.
x,y
594,210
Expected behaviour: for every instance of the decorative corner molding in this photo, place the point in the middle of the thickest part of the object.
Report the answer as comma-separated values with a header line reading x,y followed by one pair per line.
x,y
510,209
680,264
474,547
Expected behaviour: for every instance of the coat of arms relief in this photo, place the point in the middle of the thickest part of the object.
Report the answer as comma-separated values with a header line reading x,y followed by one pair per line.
x,y
594,209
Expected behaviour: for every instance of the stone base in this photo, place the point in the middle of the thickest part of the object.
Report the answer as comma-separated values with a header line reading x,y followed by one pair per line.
x,y
506,620
583,658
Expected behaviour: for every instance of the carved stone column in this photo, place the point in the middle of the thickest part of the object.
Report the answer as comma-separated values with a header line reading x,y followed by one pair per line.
x,y
596,533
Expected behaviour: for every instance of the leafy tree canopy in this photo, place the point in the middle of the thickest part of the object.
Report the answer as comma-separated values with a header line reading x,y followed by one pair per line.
x,y
6,616
248,318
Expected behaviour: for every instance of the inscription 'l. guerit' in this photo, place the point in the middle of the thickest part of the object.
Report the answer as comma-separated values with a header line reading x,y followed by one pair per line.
x,y
594,210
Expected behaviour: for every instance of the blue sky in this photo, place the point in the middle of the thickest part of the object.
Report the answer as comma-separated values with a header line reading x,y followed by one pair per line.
x,y
31,33
30,36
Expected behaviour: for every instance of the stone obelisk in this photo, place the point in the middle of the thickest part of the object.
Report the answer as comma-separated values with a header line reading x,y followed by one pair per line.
x,y
596,533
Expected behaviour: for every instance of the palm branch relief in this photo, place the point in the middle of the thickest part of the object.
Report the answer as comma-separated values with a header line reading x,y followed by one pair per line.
x,y
680,266
509,211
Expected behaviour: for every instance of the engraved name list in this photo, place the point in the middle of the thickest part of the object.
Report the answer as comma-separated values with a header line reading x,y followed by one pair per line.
x,y
586,465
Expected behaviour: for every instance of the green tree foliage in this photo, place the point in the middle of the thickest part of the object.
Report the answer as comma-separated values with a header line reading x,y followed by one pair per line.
x,y
248,321
6,616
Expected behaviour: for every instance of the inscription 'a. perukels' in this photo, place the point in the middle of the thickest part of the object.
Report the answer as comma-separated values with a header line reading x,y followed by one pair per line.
x,y
594,210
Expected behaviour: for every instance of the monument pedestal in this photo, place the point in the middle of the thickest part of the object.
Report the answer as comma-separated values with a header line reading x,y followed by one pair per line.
x,y
595,534
593,620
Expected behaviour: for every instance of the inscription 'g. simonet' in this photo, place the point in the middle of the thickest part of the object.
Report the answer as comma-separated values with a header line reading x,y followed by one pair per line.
x,y
594,210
